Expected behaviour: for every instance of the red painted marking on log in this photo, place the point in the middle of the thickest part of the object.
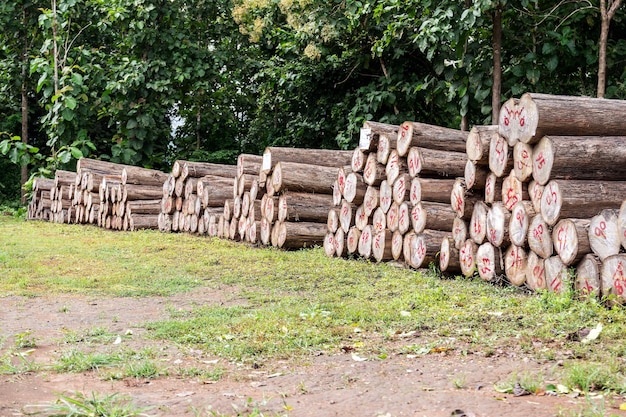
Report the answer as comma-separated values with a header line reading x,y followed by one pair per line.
x,y
538,271
377,242
414,164
511,198
477,227
492,234
552,197
561,238
540,160
405,129
520,218
500,149
421,250
485,269
587,288
517,261
416,213
601,231
556,283
539,232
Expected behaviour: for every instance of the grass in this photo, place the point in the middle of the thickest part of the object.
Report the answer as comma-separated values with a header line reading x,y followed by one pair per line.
x,y
287,305
81,405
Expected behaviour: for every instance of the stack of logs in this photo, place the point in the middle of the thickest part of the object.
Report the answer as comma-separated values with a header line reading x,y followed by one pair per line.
x,y
394,204
193,195
298,194
61,196
543,192
40,206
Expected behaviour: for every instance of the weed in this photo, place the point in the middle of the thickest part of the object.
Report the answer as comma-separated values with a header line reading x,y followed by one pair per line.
x,y
15,363
81,405
25,341
75,361
459,382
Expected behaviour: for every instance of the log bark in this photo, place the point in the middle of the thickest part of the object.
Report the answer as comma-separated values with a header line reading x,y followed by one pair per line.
x,y
603,234
580,198
536,115
308,207
539,237
467,257
140,192
317,157
355,188
587,282
200,169
489,262
477,144
143,207
515,265
557,276
143,176
523,161
478,223
431,189
436,163
294,176
435,216
143,221
570,238
429,136
613,279
535,272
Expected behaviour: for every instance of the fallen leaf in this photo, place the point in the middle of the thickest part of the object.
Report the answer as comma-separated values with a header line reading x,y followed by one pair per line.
x,y
622,406
593,334
357,358
118,340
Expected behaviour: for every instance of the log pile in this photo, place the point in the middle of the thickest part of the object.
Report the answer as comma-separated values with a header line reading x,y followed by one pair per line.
x,y
61,196
40,206
394,202
555,184
193,195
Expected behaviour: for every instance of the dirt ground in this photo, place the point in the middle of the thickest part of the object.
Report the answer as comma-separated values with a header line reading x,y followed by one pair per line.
x,y
326,385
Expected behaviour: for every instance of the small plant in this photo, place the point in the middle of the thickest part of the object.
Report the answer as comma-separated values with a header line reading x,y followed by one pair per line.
x,y
519,383
75,361
146,369
8,365
588,377
80,405
459,382
25,341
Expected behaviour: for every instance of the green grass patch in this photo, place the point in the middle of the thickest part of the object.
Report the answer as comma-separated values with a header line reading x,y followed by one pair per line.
x,y
291,304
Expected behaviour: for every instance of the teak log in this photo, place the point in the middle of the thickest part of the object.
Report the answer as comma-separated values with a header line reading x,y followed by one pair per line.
x,y
352,240
429,136
359,158
297,207
397,245
371,200
467,257
347,213
143,176
425,247
604,235
393,216
355,188
515,260
294,176
580,198
500,157
478,223
535,272
535,192
381,245
580,158
498,219
395,166
449,260
477,144
436,216
385,145
557,276
475,175
513,191
493,188
587,282
523,161
385,194
365,242
140,192
430,189
461,200
379,221
571,240
613,278
249,164
539,237
374,172
459,232
536,115
372,130
200,169
520,219
319,157
489,262
436,163
404,218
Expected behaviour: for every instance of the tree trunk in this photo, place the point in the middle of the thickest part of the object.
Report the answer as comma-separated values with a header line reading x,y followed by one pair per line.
x,y
347,213
436,163
515,260
557,276
397,243
332,220
606,14
395,166
249,164
498,219
379,221
385,145
500,156
385,195
381,246
478,223
475,175
497,64
355,188
461,200
467,257
25,63
143,176
374,172
493,188
459,232
449,260
293,176
319,157
489,262
200,169
353,239
518,225
513,191
393,215
431,189
435,216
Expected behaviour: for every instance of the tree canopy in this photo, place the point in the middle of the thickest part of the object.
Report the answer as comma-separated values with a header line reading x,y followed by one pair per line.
x,y
146,82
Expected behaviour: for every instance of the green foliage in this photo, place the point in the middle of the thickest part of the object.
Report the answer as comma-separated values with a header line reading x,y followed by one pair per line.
x,y
81,405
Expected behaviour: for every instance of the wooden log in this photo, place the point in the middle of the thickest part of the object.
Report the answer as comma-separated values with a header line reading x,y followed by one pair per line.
x,y
266,231
374,172
467,257
143,207
169,185
461,200
395,166
379,221
515,267
393,217
352,241
603,234
337,194
539,237
580,198
497,222
449,260
143,176
371,200
328,158
500,157
429,136
228,209
478,223
535,192
621,224
557,275
518,224
294,176
385,196
342,173
523,161
365,242
571,240
493,188
143,221
397,242
373,130
489,262
424,248
475,175
587,281
249,164
140,192
332,220
359,158
308,207
431,189
381,246
245,183
215,194
477,144
579,157
513,191
386,144
329,245
347,213
535,272
64,178
340,243
355,188
404,218
536,115
436,163
459,232
200,169
436,216
360,218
